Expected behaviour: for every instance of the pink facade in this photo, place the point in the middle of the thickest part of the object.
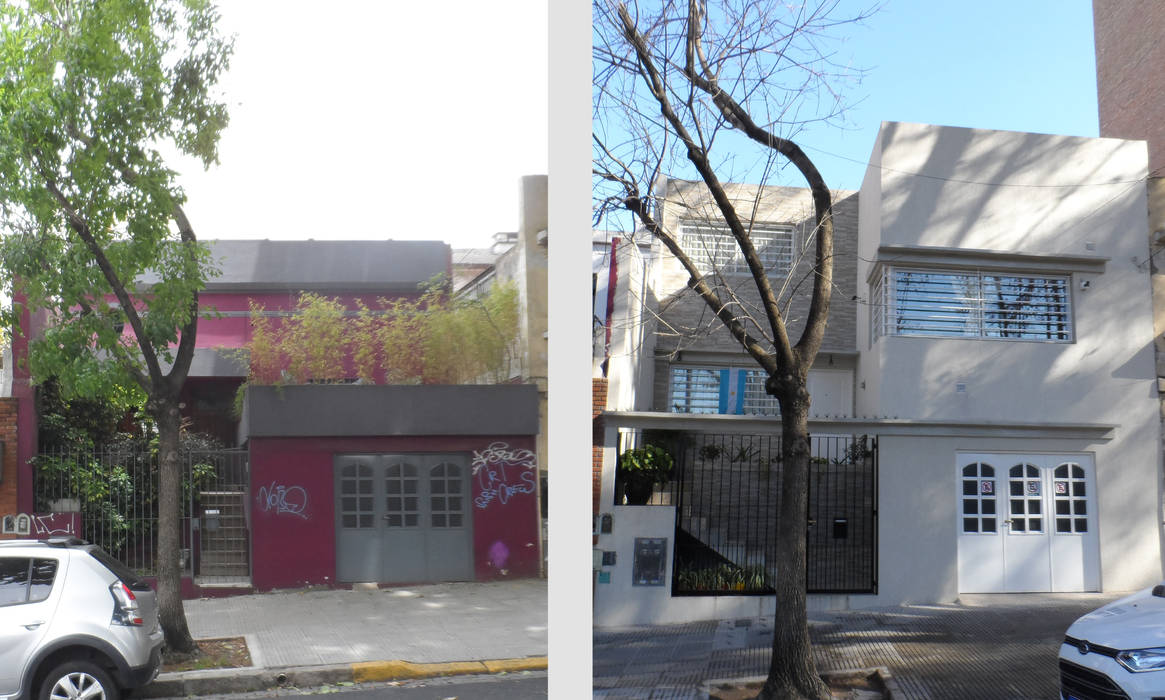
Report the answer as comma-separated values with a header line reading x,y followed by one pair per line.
x,y
292,504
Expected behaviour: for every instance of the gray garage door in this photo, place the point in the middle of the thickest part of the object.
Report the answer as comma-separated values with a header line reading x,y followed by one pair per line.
x,y
403,518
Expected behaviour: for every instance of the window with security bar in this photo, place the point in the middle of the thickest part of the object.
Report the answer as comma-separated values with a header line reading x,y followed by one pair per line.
x,y
712,247
943,303
694,390
730,390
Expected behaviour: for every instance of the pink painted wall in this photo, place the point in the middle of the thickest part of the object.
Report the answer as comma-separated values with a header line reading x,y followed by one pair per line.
x,y
234,331
295,545
22,391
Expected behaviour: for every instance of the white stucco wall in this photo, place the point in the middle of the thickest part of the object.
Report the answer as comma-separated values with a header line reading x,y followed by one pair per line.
x,y
620,602
1061,204
1005,193
918,546
631,359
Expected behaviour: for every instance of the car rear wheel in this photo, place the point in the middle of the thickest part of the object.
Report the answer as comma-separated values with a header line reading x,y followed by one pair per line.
x,y
77,680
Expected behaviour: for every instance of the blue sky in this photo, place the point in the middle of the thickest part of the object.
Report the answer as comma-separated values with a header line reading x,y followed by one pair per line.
x,y
1020,65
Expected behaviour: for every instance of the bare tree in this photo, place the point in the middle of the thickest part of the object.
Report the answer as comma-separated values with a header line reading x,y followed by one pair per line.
x,y
705,86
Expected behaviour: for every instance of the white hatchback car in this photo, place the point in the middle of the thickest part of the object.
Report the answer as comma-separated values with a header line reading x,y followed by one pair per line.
x,y
74,623
1117,651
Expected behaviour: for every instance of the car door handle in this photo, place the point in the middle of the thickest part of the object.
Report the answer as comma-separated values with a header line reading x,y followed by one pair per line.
x,y
32,625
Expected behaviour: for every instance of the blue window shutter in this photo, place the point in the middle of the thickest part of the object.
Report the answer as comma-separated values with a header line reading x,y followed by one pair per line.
x,y
741,376
724,391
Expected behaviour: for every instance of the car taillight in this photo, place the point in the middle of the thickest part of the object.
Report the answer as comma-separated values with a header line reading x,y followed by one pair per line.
x,y
125,606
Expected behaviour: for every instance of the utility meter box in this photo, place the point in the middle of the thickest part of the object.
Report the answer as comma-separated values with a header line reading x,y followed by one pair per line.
x,y
650,565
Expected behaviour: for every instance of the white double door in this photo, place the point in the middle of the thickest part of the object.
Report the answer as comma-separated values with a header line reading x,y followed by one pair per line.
x,y
1026,523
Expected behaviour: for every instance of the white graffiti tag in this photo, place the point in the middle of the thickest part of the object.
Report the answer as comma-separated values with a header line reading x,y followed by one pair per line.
x,y
289,500
502,472
53,524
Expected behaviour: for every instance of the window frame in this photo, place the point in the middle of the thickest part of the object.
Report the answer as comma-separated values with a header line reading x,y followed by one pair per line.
x,y
31,564
735,393
970,316
776,262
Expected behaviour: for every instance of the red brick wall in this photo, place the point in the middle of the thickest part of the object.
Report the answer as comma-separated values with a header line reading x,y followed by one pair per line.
x,y
1130,82
598,405
8,437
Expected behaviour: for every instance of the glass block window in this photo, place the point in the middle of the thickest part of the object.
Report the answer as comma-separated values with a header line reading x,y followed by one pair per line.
x,y
1070,496
713,248
401,500
356,506
757,400
1025,499
978,498
446,502
972,305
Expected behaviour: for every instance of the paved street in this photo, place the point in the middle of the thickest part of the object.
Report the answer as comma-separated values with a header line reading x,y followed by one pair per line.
x,y
998,647
503,687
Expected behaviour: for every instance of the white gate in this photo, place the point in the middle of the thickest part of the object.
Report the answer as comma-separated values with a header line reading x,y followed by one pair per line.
x,y
1026,523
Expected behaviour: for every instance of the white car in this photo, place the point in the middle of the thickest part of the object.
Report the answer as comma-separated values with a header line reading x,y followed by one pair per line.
x,y
1117,651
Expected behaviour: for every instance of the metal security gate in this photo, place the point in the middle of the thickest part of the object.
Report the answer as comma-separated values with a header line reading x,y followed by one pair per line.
x,y
726,490
403,518
115,490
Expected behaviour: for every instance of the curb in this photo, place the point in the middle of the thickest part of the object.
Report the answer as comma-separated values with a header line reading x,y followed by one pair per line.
x,y
244,680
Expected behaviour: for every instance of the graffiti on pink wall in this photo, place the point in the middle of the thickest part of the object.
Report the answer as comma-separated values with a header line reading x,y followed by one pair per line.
x,y
56,524
283,500
501,472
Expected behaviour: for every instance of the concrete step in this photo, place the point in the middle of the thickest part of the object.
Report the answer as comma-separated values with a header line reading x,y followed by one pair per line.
x,y
223,568
225,557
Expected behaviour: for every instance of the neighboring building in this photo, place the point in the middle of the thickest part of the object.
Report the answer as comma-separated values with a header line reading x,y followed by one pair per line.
x,y
345,483
520,258
1131,99
274,274
984,404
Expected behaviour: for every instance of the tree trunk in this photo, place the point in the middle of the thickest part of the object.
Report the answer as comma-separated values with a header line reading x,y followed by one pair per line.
x,y
792,671
170,611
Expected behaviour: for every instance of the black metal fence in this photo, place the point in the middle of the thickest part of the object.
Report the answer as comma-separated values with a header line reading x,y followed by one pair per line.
x,y
116,492
726,490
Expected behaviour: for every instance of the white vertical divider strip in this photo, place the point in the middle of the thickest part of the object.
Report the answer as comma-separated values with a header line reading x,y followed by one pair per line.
x,y
569,429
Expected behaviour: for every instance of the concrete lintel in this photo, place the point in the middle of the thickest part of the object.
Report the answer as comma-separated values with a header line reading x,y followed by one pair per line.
x,y
857,426
335,410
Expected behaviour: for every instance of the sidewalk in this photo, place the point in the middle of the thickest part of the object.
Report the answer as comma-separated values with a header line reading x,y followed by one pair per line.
x,y
328,636
988,647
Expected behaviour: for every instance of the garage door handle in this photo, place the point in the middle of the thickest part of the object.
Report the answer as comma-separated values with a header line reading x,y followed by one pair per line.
x,y
32,625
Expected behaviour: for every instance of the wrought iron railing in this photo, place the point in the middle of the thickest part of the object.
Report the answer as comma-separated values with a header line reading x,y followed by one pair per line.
x,y
116,492
726,490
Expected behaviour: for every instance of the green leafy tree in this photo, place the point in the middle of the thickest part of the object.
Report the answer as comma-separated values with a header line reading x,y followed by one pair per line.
x,y
93,224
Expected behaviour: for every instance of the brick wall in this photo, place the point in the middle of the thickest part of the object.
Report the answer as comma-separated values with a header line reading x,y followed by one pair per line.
x,y
598,405
1130,84
8,437
687,322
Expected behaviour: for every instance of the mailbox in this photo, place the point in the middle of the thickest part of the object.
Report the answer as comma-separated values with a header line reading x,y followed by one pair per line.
x,y
840,528
210,518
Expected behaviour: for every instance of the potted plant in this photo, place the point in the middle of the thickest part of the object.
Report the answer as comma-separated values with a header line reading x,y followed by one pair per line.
x,y
641,468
